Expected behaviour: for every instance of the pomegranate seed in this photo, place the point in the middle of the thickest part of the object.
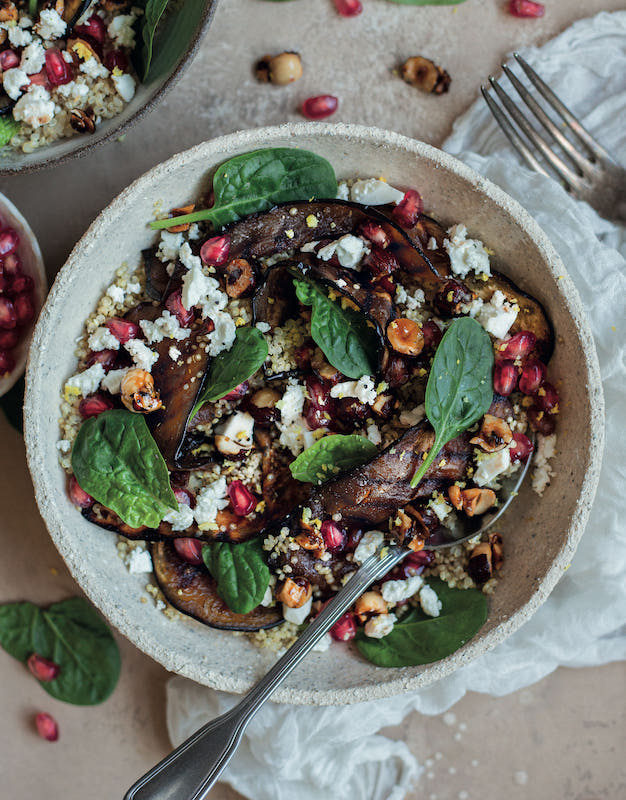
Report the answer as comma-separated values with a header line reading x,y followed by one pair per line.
x,y
242,499
9,240
334,537
354,537
21,283
122,330
105,357
380,262
407,212
7,363
540,421
183,496
432,335
79,496
93,405
94,28
57,68
174,304
8,317
42,668
116,58
8,339
518,346
215,250
533,374
526,8
348,8
344,630
303,356
8,60
504,377
318,405
24,308
547,399
12,264
520,448
320,107
39,79
47,726
237,392
189,549
375,233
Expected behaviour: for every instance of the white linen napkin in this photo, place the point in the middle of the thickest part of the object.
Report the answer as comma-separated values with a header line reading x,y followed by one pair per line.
x,y
316,753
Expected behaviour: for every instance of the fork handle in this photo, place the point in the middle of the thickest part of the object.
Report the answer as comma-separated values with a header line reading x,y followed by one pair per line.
x,y
190,771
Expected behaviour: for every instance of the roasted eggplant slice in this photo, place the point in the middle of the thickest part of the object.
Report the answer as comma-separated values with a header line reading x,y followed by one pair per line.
x,y
109,520
275,300
157,279
191,589
304,565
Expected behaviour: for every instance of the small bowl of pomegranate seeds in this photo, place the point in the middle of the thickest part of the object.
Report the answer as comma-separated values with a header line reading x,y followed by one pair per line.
x,y
22,291
240,409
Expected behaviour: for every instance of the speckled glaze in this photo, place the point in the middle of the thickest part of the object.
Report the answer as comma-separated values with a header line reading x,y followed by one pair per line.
x,y
540,535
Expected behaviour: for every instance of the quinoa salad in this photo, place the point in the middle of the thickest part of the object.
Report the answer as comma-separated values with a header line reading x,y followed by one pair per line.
x,y
65,67
252,409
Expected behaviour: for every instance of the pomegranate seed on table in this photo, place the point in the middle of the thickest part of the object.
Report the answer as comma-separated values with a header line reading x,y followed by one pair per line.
x,y
348,8
8,60
79,496
375,233
174,304
94,27
214,252
517,346
520,448
432,334
47,726
504,377
12,264
9,240
93,405
243,500
547,398
334,536
526,8
189,549
8,317
122,330
105,357
8,339
540,421
24,308
42,668
57,68
344,630
116,58
320,107
237,392
533,374
407,212
7,363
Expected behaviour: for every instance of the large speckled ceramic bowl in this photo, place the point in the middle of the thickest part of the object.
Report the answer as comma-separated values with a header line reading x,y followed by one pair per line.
x,y
540,534
186,34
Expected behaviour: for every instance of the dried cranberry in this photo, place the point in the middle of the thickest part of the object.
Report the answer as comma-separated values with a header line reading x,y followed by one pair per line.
x,y
7,363
526,8
9,240
505,377
320,107
375,233
174,304
242,499
93,405
79,496
318,405
122,329
42,668
57,68
344,630
334,536
189,549
533,374
105,357
116,59
94,28
348,8
451,297
8,339
8,317
214,251
518,346
47,726
408,210
397,372
547,398
541,421
520,448
432,335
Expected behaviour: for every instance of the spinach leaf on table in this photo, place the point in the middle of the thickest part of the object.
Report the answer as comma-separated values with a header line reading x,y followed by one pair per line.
x,y
240,571
419,639
460,386
330,456
257,181
75,637
116,460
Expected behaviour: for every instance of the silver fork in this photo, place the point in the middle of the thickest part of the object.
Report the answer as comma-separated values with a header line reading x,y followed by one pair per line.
x,y
593,176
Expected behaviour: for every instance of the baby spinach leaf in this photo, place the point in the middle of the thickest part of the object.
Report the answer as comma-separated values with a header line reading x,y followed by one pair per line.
x,y
240,571
420,639
74,636
331,455
8,128
173,36
153,12
460,387
234,366
259,180
345,336
116,460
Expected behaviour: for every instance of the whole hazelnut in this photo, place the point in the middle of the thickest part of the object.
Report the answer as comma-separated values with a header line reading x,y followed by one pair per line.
x,y
281,70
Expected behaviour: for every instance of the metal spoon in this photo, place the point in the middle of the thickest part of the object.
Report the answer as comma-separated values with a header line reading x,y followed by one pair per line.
x,y
190,771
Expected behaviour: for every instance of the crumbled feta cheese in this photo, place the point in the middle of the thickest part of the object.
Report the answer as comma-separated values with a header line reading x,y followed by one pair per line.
x,y
187,257
120,29
267,597
432,243
124,85
209,501
466,255
93,68
224,333
194,232
86,382
323,644
181,519
373,192
543,472
373,434
363,389
380,626
74,91
411,301
292,426
67,57
19,37
491,465
116,293
143,357
237,430
50,25
440,506
25,22
497,315
297,615
414,417
13,81
139,561
134,287
429,601
474,308
174,353
368,545
35,107
343,192
349,250
103,339
169,246
264,327
33,58
309,247
113,379
397,591
164,327
64,446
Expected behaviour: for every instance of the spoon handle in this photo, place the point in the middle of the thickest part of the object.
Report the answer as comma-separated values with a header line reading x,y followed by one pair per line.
x,y
190,771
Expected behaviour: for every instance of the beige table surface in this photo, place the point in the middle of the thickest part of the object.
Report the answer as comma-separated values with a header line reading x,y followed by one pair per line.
x,y
562,738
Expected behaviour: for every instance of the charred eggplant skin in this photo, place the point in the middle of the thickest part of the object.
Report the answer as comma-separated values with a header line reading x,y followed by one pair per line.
x,y
191,590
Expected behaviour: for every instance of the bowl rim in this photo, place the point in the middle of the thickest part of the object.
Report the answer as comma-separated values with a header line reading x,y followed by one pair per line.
x,y
154,99
403,683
